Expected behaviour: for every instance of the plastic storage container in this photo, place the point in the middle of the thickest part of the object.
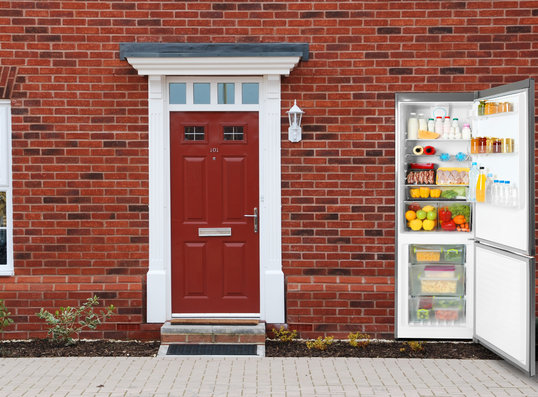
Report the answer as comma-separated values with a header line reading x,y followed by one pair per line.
x,y
421,254
437,193
454,217
437,254
449,310
421,217
436,312
436,280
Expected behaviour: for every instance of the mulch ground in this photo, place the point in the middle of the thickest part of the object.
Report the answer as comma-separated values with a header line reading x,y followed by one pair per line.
x,y
99,348
273,348
459,350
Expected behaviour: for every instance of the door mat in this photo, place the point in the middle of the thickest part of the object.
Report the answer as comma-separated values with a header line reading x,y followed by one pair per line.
x,y
212,350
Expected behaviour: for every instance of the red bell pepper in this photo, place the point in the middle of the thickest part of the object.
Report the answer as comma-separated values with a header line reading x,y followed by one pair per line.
x,y
445,215
449,226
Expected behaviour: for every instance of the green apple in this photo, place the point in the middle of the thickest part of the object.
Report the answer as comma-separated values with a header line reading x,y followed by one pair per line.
x,y
432,215
421,214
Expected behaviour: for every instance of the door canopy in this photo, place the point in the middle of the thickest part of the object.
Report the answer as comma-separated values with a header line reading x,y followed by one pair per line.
x,y
195,59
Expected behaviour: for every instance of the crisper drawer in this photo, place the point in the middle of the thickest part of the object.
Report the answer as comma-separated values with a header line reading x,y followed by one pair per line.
x,y
436,311
436,279
423,254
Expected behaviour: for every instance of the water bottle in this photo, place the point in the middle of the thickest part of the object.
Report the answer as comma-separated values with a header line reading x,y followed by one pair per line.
x,y
495,192
489,188
473,177
511,195
501,194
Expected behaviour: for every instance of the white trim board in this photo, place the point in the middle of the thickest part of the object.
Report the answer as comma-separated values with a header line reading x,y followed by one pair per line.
x,y
160,72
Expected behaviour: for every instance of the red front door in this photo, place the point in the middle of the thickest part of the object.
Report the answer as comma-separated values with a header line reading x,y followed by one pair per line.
x,y
214,184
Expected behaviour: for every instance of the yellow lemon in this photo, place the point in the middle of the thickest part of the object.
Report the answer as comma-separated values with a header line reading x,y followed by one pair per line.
x,y
428,208
415,224
428,224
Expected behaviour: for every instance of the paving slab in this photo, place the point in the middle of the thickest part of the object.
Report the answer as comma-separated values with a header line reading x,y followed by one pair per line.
x,y
251,376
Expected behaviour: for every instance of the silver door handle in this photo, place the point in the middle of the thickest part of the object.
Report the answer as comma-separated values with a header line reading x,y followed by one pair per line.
x,y
255,216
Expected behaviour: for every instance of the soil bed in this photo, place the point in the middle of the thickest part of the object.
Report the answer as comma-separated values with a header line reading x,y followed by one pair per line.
x,y
98,348
273,348
459,350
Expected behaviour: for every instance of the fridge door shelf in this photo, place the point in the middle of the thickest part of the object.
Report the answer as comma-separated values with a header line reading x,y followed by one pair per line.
x,y
429,311
499,114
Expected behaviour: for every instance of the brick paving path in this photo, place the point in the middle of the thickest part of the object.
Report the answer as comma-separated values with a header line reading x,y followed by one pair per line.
x,y
274,377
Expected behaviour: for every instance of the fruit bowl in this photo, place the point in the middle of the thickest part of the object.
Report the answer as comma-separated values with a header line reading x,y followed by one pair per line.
x,y
421,217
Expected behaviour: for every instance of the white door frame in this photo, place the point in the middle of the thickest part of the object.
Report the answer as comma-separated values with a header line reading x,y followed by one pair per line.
x,y
159,71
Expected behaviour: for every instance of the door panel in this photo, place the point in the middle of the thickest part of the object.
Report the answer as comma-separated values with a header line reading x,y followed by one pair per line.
x,y
214,183
195,254
234,263
233,185
504,305
194,182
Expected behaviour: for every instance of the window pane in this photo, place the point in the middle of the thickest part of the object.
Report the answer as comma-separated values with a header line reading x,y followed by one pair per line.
x,y
178,93
226,93
194,133
232,133
202,93
250,93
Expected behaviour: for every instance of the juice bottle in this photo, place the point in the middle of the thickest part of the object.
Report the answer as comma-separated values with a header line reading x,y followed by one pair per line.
x,y
481,186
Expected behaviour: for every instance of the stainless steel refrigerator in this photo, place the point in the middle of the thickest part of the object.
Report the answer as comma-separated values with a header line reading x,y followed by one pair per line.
x,y
466,269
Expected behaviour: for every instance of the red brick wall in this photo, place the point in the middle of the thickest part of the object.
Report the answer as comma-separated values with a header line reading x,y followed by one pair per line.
x,y
80,141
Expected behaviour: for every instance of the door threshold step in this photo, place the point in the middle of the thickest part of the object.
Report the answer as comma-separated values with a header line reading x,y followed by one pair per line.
x,y
214,321
213,350
214,333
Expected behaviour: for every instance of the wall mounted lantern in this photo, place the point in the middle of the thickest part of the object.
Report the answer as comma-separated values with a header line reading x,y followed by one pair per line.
x,y
295,114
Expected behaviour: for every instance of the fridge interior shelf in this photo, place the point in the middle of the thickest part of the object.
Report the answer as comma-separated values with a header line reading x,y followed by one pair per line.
x,y
438,140
437,254
437,312
436,280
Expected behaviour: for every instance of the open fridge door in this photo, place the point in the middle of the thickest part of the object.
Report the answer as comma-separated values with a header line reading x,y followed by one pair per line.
x,y
504,231
508,225
504,305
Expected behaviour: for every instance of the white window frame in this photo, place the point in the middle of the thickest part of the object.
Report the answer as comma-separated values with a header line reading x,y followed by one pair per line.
x,y
267,71
6,182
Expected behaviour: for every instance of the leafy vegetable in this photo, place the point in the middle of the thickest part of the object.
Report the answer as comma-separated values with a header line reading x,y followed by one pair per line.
x,y
448,194
460,209
453,193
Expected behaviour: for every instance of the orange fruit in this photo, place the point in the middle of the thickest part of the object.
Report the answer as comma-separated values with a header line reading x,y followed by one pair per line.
x,y
410,215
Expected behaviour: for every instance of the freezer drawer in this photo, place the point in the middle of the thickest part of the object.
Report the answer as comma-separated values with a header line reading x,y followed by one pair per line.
x,y
437,254
436,280
437,311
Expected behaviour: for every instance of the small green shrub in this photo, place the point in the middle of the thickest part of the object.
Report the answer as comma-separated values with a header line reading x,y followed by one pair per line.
x,y
320,343
70,321
359,340
414,346
284,335
5,320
